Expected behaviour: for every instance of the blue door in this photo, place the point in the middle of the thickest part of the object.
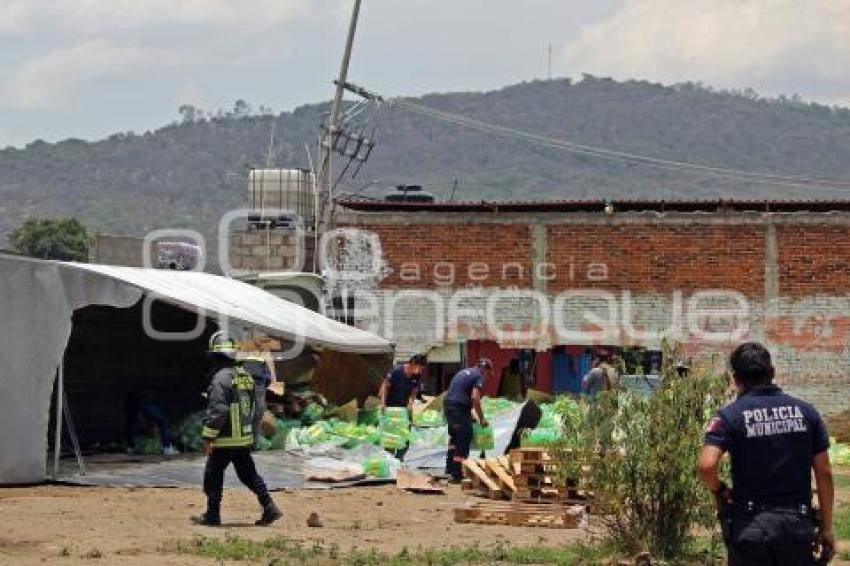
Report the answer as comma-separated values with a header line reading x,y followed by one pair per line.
x,y
567,378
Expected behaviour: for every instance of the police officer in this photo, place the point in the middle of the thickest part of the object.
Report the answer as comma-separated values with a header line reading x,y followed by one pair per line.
x,y
462,397
228,433
774,442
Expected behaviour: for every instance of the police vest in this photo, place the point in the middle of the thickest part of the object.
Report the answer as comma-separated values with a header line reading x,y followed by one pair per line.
x,y
241,417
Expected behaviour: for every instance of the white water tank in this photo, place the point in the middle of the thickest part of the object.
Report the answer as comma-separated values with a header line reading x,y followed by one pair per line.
x,y
273,190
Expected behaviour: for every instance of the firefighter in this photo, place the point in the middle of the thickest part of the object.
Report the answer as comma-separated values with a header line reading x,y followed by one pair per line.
x,y
228,433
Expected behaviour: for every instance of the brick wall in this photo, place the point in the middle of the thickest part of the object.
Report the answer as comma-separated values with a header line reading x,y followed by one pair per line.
x,y
468,254
657,258
814,260
792,271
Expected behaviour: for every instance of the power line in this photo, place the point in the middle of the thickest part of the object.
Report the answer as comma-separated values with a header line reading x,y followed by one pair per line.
x,y
615,155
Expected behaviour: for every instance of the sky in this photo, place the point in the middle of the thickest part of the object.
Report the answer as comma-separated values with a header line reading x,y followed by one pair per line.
x,y
89,68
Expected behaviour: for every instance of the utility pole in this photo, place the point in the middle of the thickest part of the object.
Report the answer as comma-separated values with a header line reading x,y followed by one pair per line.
x,y
549,74
324,177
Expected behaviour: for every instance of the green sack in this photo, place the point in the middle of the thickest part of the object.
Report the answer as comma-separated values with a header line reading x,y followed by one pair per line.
x,y
368,417
312,413
429,418
148,445
395,416
263,444
394,436
839,454
376,467
315,434
393,441
540,437
482,437
493,405
283,425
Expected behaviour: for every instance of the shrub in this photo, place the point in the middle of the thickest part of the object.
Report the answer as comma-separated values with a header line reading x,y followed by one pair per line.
x,y
642,450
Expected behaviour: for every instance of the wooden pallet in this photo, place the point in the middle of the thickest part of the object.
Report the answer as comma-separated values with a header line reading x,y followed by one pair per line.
x,y
479,480
525,475
522,515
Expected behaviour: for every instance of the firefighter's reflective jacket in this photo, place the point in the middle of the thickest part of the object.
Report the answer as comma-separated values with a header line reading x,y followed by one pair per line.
x,y
230,409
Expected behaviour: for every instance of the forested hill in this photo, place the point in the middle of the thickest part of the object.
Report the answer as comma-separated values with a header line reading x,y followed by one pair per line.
x,y
186,174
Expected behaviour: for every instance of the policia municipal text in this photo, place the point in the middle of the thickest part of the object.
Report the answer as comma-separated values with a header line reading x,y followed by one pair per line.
x,y
774,442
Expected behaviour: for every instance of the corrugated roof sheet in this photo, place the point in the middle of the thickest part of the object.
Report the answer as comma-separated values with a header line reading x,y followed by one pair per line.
x,y
597,205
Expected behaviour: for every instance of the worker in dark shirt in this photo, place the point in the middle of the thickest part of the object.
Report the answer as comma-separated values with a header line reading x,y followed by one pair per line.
x,y
462,398
402,383
774,442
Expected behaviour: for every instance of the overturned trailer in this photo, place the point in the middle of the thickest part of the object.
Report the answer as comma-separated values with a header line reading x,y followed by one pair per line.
x,y
97,330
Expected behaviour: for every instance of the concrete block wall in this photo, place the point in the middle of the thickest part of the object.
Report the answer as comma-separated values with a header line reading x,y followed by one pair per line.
x,y
792,270
109,249
264,250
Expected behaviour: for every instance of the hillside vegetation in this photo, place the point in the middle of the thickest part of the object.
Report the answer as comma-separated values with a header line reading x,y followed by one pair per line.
x,y
185,175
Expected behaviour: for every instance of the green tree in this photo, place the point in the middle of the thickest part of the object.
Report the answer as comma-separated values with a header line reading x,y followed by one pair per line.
x,y
62,238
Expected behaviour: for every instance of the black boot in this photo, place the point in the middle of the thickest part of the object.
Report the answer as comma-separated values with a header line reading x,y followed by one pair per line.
x,y
208,519
270,514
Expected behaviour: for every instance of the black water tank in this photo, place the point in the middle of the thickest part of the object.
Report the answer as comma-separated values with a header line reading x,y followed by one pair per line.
x,y
409,193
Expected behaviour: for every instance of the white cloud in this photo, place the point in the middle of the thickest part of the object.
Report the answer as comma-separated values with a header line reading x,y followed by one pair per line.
x,y
191,93
49,80
770,45
115,17
96,39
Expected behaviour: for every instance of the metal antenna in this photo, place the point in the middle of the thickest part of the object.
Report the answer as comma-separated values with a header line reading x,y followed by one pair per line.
x,y
549,74
271,144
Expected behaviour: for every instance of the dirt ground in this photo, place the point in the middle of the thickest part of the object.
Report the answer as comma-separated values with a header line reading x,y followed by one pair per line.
x,y
67,525
54,524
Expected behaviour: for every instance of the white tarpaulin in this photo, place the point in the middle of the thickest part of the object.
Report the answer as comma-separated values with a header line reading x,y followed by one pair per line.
x,y
38,298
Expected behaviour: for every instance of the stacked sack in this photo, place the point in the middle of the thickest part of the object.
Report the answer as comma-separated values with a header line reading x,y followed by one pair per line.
x,y
395,428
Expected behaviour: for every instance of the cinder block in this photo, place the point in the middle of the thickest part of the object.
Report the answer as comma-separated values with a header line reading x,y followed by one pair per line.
x,y
252,238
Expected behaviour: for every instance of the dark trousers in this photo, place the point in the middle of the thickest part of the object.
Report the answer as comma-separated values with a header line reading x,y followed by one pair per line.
x,y
146,410
459,419
243,463
775,538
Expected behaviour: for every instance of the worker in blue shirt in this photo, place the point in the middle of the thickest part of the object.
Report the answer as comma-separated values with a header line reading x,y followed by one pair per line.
x,y
774,442
462,398
402,383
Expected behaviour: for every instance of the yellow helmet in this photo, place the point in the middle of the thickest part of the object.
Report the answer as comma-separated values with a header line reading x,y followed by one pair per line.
x,y
222,343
